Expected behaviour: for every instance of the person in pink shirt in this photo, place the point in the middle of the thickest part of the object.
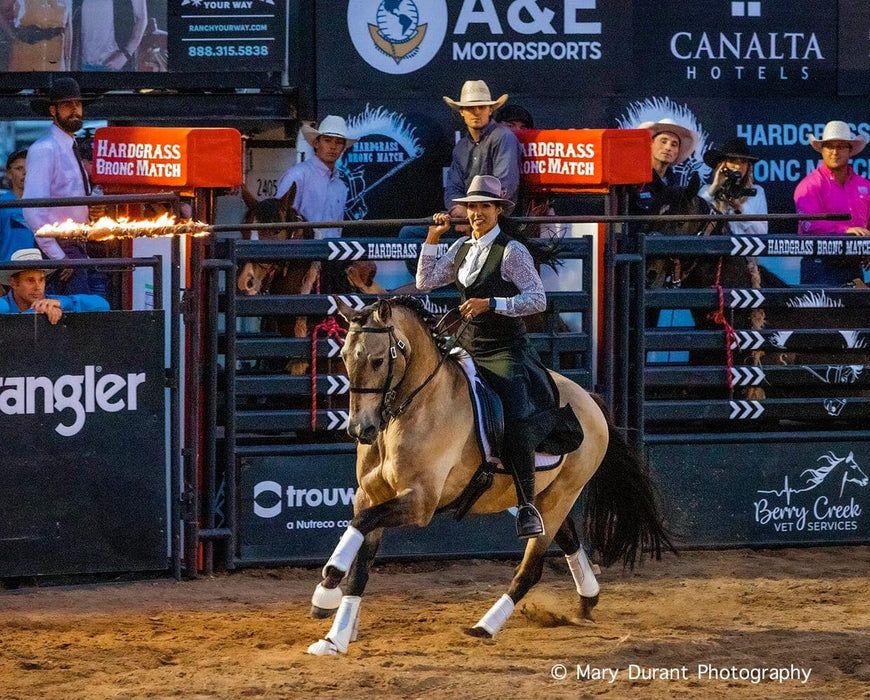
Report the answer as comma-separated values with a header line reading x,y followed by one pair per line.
x,y
834,187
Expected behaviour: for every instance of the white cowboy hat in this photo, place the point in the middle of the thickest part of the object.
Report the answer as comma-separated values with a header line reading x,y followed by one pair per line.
x,y
688,138
486,188
474,94
330,126
839,131
20,256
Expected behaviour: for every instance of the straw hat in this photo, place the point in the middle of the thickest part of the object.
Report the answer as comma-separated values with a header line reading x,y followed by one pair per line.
x,y
21,256
688,138
486,188
839,131
475,93
331,125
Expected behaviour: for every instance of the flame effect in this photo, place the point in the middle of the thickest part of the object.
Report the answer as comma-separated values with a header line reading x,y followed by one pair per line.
x,y
107,228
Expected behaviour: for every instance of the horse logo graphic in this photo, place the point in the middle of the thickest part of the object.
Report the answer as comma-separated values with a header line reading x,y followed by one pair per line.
x,y
386,144
813,478
397,36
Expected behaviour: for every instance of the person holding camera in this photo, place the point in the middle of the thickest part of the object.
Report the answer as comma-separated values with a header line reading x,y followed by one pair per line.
x,y
733,191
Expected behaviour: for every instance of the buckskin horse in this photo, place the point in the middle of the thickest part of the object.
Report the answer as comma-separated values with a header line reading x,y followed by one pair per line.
x,y
413,417
291,276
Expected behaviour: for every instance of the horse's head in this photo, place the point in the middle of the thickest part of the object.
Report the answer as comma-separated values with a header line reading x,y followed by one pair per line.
x,y
675,201
854,473
375,353
254,278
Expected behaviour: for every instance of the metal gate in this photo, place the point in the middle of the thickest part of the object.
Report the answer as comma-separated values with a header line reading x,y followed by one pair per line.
x,y
277,466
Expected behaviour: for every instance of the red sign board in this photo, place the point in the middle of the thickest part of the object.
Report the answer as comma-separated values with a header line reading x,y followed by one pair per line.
x,y
170,157
576,159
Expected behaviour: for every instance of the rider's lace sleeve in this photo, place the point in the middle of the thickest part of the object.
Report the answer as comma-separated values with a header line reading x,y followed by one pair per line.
x,y
519,268
434,272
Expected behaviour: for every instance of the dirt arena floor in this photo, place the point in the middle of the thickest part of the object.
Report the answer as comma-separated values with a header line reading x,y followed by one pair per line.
x,y
244,635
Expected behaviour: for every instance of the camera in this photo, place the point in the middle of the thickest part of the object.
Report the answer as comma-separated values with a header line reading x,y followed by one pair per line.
x,y
733,188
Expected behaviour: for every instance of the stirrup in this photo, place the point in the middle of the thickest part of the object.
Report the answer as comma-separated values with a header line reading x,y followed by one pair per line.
x,y
529,522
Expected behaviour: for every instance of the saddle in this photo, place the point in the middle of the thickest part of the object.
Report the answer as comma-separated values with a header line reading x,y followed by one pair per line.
x,y
489,431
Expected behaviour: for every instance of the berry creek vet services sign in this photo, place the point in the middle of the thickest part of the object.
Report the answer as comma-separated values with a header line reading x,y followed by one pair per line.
x,y
170,157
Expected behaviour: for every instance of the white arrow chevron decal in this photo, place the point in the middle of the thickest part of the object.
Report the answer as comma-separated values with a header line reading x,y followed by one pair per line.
x,y
746,298
746,245
334,348
747,340
745,410
747,376
338,384
334,250
337,420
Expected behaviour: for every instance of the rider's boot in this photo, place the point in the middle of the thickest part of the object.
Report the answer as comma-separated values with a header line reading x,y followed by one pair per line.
x,y
529,521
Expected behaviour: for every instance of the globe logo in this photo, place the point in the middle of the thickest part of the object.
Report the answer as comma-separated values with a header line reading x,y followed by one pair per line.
x,y
397,36
397,20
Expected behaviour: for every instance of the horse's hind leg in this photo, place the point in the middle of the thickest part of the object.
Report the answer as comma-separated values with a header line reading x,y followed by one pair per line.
x,y
325,601
527,575
580,566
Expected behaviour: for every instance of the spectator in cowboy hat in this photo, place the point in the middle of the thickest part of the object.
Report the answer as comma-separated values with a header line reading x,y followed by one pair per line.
x,y
488,148
54,169
834,186
27,292
733,191
321,195
671,145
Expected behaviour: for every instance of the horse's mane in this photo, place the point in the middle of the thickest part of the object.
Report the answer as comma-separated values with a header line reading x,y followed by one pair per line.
x,y
426,318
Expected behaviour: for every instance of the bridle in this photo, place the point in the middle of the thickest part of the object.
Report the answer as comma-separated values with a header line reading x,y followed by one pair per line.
x,y
387,391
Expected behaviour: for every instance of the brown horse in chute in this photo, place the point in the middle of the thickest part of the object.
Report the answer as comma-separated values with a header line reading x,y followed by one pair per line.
x,y
413,417
292,276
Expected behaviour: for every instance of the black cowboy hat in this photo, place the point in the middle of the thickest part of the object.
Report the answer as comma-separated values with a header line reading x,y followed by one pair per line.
x,y
61,90
733,148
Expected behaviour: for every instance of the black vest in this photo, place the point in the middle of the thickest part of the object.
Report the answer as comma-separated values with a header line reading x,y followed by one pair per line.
x,y
490,331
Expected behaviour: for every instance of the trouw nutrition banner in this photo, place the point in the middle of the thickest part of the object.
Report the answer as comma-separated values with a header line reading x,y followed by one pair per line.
x,y
83,484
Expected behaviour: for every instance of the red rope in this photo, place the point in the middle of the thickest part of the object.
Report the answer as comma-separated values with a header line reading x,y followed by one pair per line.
x,y
332,330
718,316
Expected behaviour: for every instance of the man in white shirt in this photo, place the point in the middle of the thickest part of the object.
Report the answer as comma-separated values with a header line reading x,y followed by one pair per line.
x,y
54,169
321,195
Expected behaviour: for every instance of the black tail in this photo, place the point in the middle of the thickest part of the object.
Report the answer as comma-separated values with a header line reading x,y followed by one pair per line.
x,y
622,517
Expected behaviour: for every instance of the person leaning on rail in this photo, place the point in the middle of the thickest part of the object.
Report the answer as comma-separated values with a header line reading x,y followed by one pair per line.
x,y
27,292
733,191
833,187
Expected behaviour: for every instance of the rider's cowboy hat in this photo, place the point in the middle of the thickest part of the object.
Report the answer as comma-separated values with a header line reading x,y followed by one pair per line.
x,y
21,256
475,93
331,125
61,90
732,148
839,131
688,138
486,188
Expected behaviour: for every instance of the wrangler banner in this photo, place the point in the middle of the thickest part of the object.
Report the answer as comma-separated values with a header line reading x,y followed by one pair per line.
x,y
83,483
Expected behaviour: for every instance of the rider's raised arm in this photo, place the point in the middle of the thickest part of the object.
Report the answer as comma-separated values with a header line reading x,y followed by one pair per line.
x,y
434,272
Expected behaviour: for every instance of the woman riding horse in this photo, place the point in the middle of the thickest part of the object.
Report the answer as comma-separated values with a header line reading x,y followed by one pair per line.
x,y
498,284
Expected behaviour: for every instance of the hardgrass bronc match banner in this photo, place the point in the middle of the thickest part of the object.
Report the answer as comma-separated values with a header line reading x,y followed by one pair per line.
x,y
82,423
174,157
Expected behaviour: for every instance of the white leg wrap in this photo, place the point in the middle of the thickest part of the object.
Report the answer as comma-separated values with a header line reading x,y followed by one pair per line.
x,y
343,555
497,615
581,571
326,598
343,630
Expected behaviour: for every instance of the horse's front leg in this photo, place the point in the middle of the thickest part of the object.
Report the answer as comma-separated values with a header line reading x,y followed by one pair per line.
x,y
356,549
